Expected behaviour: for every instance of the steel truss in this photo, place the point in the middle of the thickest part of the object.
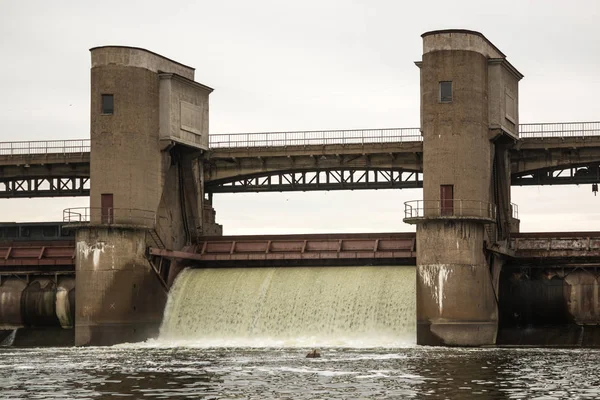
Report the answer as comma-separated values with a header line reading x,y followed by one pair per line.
x,y
334,179
44,187
564,175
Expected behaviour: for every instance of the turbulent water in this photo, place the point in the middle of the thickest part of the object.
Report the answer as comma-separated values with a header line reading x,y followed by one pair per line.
x,y
152,370
315,306
244,334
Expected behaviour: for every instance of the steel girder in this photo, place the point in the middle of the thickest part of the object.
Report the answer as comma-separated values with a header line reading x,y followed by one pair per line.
x,y
44,187
333,179
562,175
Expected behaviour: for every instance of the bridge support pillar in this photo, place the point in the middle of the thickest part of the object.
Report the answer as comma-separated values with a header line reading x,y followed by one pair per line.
x,y
149,129
119,297
468,106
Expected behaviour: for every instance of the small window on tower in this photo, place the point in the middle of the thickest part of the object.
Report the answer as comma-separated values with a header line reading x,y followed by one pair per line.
x,y
446,92
108,104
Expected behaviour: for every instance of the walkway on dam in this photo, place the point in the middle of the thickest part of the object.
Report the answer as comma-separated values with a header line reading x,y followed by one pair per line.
x,y
545,154
533,250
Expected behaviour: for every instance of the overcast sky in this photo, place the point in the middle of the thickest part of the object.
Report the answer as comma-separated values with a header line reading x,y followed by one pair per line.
x,y
300,65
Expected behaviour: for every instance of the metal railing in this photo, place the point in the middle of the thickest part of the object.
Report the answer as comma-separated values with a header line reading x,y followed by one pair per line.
x,y
449,209
45,147
123,216
559,129
306,138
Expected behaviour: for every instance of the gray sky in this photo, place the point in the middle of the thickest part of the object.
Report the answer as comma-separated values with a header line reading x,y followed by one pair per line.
x,y
301,65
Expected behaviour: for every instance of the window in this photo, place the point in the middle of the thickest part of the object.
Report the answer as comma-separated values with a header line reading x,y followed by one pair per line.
x,y
108,104
446,92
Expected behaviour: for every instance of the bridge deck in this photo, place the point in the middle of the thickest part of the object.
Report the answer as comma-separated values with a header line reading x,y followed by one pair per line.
x,y
546,154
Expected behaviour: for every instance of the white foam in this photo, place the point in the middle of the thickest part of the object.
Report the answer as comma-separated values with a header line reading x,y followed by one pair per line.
x,y
363,307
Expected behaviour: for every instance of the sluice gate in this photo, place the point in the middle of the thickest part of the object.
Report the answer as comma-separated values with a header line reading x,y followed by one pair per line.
x,y
548,288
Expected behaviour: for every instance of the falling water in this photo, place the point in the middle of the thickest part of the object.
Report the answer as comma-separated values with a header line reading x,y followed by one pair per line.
x,y
300,306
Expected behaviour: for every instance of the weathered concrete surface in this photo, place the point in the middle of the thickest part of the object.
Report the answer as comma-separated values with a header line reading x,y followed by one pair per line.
x,y
465,144
456,303
144,163
44,301
119,297
11,291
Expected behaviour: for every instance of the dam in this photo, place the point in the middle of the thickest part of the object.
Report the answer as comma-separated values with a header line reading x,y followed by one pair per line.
x,y
293,306
148,258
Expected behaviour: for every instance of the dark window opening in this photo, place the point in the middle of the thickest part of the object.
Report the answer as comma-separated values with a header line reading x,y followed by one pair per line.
x,y
446,91
108,104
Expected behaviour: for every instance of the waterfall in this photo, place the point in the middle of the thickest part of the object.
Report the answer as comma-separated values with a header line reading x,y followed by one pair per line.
x,y
293,306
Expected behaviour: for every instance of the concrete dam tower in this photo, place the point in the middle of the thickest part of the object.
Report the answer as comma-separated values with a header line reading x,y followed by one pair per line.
x,y
149,131
469,118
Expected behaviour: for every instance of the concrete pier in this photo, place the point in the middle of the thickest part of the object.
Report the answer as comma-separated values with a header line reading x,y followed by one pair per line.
x,y
149,130
469,107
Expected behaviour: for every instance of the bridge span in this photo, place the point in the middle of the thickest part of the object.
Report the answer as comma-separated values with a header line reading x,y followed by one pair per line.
x,y
150,169
545,154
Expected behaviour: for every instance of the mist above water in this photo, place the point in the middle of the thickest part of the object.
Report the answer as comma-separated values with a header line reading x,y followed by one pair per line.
x,y
370,306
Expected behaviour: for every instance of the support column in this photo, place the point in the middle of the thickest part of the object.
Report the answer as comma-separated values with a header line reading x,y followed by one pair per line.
x,y
462,99
119,297
148,116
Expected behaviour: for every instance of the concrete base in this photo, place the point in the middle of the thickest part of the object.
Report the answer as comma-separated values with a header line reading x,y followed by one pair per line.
x,y
109,334
457,333
119,296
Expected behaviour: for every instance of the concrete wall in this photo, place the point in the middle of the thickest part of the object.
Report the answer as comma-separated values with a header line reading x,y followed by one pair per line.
x,y
183,111
119,297
456,300
456,147
126,56
125,155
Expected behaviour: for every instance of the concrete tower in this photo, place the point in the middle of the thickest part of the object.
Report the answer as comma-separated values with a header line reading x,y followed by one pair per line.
x,y
149,129
469,117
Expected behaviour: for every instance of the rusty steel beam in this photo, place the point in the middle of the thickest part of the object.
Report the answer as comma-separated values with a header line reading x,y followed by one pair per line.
x,y
40,255
283,249
554,247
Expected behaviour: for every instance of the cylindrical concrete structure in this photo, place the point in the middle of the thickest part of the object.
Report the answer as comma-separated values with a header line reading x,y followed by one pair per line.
x,y
456,301
126,161
38,303
11,291
65,302
119,297
43,302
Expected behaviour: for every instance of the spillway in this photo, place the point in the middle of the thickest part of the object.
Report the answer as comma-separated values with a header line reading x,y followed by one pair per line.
x,y
368,306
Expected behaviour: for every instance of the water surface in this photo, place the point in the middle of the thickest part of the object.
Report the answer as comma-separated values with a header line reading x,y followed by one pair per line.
x,y
157,370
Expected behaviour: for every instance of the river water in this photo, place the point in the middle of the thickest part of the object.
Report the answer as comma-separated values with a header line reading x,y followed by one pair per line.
x,y
244,334
157,370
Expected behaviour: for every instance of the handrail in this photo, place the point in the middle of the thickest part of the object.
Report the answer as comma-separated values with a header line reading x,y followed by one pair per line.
x,y
416,209
73,146
559,129
306,138
124,216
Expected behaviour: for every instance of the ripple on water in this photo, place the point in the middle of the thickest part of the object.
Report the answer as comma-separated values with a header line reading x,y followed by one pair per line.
x,y
255,373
